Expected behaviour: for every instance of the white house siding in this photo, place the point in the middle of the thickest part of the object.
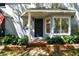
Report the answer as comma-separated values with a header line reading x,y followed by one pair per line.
x,y
15,23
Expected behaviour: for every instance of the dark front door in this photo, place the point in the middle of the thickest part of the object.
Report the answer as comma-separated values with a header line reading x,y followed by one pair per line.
x,y
38,27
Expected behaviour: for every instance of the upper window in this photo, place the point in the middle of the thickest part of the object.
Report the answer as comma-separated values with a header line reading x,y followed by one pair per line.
x,y
61,25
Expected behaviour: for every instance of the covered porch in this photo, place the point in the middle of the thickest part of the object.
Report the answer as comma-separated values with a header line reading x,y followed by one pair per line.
x,y
41,23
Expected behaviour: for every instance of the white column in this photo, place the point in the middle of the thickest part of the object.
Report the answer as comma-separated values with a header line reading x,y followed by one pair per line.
x,y
52,26
60,25
29,26
69,26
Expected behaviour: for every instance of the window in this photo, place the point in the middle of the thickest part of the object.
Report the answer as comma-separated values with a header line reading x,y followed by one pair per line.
x,y
2,4
57,25
61,26
64,25
47,25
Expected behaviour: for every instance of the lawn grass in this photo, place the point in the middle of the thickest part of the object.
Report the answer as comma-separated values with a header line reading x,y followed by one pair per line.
x,y
71,52
74,52
8,53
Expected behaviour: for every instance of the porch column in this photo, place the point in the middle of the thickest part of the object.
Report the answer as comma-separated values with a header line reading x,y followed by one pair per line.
x,y
29,26
69,26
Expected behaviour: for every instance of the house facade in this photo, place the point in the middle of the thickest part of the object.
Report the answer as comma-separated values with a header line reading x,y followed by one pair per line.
x,y
39,22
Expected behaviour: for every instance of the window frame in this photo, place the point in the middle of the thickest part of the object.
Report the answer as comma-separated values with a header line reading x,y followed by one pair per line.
x,y
46,25
69,25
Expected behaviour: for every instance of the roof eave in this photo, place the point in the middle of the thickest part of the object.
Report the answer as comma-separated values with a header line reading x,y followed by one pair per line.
x,y
53,11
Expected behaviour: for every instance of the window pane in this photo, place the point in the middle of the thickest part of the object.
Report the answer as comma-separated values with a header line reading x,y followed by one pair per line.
x,y
57,25
64,24
2,4
48,25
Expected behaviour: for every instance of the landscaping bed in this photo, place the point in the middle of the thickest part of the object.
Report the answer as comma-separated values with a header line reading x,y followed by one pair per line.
x,y
11,50
39,51
55,46
61,47
48,50
12,45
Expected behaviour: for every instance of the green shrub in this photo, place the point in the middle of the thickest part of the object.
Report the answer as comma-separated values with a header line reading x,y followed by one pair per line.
x,y
11,39
70,39
14,40
77,38
63,40
58,40
49,40
23,41
6,40
55,40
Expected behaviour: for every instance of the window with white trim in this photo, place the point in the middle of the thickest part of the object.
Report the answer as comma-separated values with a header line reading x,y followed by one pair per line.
x,y
47,25
61,25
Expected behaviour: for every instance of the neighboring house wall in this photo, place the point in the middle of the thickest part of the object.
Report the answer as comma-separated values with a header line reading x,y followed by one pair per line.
x,y
74,26
75,18
9,27
14,10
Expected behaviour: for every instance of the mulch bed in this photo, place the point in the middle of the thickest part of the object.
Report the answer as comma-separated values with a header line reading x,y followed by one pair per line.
x,y
52,49
49,47
58,47
15,48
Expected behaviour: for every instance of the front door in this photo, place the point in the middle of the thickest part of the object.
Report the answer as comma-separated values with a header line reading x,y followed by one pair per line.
x,y
38,27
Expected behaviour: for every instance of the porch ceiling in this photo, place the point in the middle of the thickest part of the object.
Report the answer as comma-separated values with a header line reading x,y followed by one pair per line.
x,y
43,13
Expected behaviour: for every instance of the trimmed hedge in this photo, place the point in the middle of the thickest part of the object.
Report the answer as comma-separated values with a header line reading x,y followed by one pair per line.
x,y
70,39
6,40
55,40
14,40
63,40
23,41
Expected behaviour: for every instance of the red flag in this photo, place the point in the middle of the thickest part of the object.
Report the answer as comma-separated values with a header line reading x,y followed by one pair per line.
x,y
1,18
